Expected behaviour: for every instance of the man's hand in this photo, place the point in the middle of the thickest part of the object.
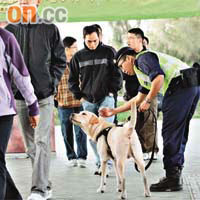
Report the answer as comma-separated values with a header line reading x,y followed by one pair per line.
x,y
144,106
34,120
106,112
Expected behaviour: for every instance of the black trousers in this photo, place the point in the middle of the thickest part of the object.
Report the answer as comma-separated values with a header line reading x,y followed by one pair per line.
x,y
178,109
8,190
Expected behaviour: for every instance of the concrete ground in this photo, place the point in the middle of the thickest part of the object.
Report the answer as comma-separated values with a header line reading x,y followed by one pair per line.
x,y
80,183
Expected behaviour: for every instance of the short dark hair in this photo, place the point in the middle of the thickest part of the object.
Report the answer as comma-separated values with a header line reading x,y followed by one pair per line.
x,y
147,39
98,26
68,41
87,30
137,32
123,52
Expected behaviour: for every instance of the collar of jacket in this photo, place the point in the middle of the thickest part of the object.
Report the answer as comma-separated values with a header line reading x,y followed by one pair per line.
x,y
100,44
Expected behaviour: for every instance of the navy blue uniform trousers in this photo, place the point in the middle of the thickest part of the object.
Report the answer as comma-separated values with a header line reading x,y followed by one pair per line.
x,y
8,190
178,109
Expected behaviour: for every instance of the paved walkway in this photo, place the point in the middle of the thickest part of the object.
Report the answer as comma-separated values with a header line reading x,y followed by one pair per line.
x,y
80,184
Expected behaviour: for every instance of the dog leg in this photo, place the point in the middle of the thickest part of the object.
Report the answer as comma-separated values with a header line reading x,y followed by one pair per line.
x,y
117,177
121,168
103,178
141,168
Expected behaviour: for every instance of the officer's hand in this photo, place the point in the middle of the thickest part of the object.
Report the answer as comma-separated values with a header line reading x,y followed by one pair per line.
x,y
34,120
144,106
106,112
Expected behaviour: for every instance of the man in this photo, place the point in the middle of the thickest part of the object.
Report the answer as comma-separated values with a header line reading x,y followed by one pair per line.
x,y
93,76
44,56
145,128
67,105
160,72
12,68
114,54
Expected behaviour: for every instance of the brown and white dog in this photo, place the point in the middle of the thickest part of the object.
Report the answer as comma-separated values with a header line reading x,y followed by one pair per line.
x,y
123,143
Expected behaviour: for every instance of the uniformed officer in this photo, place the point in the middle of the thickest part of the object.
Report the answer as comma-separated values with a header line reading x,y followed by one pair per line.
x,y
159,72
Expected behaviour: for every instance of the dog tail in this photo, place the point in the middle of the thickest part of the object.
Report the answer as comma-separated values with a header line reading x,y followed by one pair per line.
x,y
133,115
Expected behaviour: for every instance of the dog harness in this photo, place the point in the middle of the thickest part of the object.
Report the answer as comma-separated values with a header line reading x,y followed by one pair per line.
x,y
105,132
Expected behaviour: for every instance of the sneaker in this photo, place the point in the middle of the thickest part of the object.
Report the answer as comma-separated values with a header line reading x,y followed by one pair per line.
x,y
72,163
155,156
48,193
81,163
36,196
145,156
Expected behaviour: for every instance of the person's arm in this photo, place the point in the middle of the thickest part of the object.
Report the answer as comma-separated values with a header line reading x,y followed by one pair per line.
x,y
58,57
116,79
155,88
116,76
74,80
19,73
107,112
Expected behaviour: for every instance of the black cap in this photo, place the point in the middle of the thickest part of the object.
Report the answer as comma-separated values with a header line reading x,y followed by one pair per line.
x,y
124,51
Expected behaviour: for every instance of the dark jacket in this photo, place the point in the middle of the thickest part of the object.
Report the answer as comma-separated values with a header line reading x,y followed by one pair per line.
x,y
93,74
44,56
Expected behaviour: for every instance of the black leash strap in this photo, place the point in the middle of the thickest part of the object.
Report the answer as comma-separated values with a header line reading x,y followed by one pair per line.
x,y
154,141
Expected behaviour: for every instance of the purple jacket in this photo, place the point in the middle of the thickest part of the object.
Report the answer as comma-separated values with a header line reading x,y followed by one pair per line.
x,y
12,67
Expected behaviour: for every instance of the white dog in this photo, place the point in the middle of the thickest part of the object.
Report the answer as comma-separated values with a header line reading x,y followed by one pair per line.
x,y
118,144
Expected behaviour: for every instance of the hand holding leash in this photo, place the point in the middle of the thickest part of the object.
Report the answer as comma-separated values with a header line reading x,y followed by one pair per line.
x,y
145,105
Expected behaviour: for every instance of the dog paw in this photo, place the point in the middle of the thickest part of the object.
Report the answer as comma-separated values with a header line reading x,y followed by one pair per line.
x,y
123,195
119,190
100,190
147,194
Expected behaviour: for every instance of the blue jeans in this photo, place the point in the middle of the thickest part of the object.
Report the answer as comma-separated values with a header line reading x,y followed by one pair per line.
x,y
109,102
8,189
67,132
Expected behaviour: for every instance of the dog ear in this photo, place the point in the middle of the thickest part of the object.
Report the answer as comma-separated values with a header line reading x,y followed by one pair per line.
x,y
94,120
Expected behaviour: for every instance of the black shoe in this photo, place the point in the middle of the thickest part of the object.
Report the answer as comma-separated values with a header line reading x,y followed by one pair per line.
x,y
167,184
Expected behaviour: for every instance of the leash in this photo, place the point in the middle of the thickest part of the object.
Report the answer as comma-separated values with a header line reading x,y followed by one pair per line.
x,y
154,141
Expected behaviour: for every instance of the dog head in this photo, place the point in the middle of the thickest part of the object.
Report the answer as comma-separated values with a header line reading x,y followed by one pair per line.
x,y
89,122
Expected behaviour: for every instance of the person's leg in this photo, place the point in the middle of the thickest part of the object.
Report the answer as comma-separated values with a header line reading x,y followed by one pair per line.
x,y
94,109
177,112
81,139
147,132
8,189
67,131
176,117
26,129
40,175
110,103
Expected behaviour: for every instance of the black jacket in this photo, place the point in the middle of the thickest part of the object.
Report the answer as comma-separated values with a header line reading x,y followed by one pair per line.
x,y
93,74
44,56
